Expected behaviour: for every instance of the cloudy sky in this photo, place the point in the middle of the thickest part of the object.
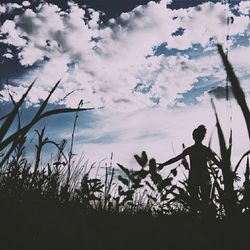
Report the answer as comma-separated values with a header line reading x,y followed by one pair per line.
x,y
151,65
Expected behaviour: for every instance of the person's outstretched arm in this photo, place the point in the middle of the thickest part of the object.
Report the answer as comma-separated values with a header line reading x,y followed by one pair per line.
x,y
172,160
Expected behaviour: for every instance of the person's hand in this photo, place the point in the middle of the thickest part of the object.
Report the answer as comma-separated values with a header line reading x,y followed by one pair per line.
x,y
160,166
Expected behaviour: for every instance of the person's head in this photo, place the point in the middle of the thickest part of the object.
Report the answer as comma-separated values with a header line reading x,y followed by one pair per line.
x,y
199,133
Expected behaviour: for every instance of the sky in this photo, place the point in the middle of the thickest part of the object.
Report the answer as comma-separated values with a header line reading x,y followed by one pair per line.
x,y
149,68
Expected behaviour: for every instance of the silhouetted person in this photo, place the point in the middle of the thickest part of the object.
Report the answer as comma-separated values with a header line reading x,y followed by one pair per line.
x,y
199,178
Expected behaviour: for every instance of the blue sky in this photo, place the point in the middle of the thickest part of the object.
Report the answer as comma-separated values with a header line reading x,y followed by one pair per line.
x,y
150,65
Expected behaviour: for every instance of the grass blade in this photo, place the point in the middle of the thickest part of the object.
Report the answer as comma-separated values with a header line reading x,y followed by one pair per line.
x,y
238,164
25,129
11,116
226,167
236,88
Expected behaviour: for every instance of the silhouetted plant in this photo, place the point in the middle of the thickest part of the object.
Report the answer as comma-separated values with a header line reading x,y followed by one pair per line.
x,y
236,88
21,132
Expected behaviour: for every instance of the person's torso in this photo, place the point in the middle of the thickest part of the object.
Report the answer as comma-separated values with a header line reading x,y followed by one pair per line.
x,y
199,156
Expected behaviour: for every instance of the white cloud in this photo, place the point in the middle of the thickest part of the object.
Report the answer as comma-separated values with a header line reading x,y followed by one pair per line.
x,y
108,62
244,7
13,36
240,57
30,55
26,3
2,9
9,8
182,73
8,55
206,23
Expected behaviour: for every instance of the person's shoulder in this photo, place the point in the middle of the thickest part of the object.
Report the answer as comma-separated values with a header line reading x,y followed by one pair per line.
x,y
205,147
208,149
187,150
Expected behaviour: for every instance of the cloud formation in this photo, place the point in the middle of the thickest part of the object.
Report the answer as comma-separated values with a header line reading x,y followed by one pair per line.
x,y
135,65
114,64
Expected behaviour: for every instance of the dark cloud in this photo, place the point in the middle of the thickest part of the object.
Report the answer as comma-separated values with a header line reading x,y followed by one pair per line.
x,y
9,67
178,32
122,100
177,4
221,92
113,8
27,25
